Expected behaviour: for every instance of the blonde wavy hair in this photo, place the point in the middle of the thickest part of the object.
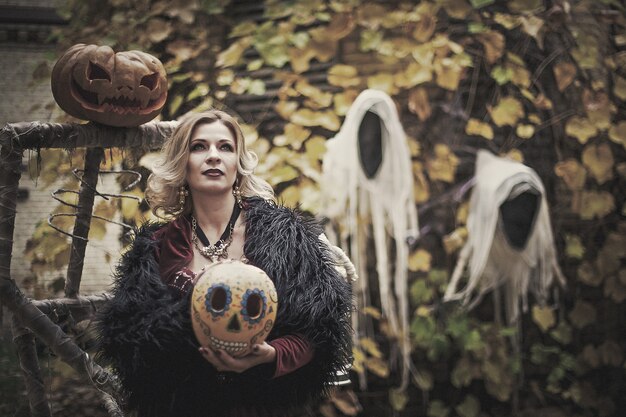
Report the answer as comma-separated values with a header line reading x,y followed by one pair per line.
x,y
169,174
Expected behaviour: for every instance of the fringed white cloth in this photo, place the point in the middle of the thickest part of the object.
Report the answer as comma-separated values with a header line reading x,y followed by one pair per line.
x,y
350,199
493,262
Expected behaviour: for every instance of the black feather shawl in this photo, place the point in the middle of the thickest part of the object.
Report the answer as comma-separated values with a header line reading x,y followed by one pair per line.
x,y
145,331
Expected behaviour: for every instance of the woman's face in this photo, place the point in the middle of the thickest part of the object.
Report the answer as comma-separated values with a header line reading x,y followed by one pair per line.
x,y
212,164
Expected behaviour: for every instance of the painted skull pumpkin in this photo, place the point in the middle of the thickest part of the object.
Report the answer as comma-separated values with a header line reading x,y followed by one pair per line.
x,y
117,89
233,307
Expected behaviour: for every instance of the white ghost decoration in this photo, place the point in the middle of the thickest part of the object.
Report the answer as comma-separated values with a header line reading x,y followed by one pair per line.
x,y
351,189
494,261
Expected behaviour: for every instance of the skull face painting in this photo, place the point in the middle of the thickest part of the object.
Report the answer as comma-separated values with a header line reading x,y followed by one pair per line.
x,y
233,307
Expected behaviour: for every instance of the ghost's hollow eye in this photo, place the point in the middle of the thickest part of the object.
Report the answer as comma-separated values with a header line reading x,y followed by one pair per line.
x,y
255,304
218,299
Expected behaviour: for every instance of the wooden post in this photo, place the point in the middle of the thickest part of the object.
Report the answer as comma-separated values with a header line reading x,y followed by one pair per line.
x,y
82,224
24,341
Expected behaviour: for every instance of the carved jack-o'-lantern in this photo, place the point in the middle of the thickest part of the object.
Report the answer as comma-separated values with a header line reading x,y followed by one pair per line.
x,y
233,307
117,89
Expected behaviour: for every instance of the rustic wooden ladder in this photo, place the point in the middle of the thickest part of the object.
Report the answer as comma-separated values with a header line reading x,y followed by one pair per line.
x,y
35,318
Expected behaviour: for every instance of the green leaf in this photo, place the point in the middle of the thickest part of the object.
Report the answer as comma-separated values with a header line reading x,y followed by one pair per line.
x,y
420,292
502,75
562,333
477,4
398,399
470,407
462,374
423,379
574,247
438,408
583,314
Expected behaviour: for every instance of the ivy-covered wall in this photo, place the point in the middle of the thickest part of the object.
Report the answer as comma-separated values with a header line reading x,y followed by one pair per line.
x,y
543,82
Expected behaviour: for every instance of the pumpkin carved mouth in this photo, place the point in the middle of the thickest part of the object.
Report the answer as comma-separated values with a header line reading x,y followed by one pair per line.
x,y
121,104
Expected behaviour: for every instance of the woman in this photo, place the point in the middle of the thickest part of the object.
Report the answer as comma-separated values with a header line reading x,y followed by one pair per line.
x,y
205,182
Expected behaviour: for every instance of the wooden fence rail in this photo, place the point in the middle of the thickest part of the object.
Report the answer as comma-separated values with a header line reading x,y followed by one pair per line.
x,y
31,318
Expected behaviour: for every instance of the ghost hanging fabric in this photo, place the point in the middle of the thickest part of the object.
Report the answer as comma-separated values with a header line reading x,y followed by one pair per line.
x,y
508,247
367,177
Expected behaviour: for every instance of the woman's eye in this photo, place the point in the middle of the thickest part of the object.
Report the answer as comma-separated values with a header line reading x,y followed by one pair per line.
x,y
197,146
227,147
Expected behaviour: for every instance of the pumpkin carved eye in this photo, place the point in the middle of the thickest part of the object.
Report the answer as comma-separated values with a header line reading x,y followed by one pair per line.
x,y
151,81
96,72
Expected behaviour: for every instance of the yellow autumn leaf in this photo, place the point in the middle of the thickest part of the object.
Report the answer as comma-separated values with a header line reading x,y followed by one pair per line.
x,y
340,26
378,367
574,246
373,312
599,161
97,229
476,127
232,55
225,77
619,87
370,346
455,240
321,98
448,72
507,112
520,76
533,26
457,9
315,148
580,128
419,104
494,44
343,101
382,81
306,117
564,73
596,204
413,75
300,58
130,206
506,20
443,166
525,6
572,172
420,260
286,108
543,317
283,173
290,196
343,76
534,118
424,54
324,50
371,15
617,133
425,27
421,189
525,131
462,212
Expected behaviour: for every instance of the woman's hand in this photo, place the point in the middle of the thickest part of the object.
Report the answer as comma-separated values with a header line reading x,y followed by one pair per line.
x,y
263,353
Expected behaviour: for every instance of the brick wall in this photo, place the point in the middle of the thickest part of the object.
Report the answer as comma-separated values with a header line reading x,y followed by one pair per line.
x,y
22,52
